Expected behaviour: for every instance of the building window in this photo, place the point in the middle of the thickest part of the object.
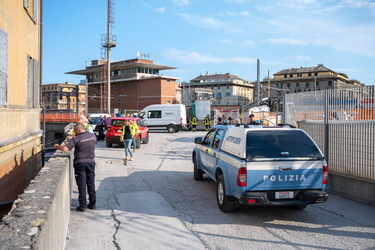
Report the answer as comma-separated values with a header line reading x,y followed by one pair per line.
x,y
291,75
317,83
3,68
309,74
299,75
288,85
329,83
307,84
227,86
227,94
297,84
285,76
316,73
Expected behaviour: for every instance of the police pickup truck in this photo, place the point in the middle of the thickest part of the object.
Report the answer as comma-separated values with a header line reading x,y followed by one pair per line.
x,y
261,165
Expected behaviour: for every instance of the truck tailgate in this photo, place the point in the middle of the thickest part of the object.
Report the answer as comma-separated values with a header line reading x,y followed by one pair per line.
x,y
284,175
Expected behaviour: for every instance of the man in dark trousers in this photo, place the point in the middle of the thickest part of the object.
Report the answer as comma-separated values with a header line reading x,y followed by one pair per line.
x,y
84,165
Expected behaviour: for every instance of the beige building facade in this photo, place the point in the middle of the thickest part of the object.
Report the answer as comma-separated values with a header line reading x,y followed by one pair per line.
x,y
66,97
20,57
304,79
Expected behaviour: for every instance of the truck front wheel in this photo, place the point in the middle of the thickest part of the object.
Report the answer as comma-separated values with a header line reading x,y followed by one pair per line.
x,y
222,198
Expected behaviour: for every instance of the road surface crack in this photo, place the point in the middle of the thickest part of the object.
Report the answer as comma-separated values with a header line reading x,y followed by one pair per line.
x,y
117,225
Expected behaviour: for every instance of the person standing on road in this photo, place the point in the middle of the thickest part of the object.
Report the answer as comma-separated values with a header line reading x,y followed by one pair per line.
x,y
101,128
194,122
207,122
127,138
84,165
107,122
135,131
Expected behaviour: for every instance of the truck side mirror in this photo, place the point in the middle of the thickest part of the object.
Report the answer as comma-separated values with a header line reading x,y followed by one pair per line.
x,y
198,140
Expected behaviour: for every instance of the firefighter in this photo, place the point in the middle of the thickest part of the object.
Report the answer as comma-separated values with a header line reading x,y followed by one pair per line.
x,y
207,122
187,123
194,122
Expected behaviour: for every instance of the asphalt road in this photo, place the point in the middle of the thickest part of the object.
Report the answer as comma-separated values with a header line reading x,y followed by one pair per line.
x,y
154,203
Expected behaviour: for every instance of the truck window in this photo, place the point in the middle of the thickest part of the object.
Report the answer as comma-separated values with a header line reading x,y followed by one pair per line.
x,y
141,115
280,144
208,139
154,114
218,138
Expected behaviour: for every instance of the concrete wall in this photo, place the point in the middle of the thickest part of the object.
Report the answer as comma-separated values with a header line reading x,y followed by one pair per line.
x,y
39,217
352,188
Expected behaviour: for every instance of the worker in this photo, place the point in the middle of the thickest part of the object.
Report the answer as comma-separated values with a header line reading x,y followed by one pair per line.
x,y
194,122
207,122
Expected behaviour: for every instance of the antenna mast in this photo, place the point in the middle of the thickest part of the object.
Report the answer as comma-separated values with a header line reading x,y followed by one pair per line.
x,y
108,42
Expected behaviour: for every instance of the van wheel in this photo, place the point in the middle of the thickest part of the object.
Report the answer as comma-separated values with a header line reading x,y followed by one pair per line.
x,y
198,174
146,139
171,129
222,198
108,144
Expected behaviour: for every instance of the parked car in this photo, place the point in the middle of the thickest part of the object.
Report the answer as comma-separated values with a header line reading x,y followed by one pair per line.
x,y
258,165
115,130
171,117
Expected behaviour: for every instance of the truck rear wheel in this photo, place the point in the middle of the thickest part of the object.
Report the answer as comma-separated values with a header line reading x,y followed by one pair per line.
x,y
171,129
222,198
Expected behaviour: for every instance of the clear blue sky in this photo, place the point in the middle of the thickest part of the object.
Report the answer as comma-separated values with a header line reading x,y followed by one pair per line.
x,y
218,36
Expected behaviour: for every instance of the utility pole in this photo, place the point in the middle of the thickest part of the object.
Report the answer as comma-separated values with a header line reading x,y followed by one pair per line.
x,y
110,42
258,80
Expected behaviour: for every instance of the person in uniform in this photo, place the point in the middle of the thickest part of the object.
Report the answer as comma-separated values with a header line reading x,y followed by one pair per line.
x,y
194,122
84,165
207,122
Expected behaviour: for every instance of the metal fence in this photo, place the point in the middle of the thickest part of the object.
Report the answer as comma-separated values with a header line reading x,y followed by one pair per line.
x,y
342,122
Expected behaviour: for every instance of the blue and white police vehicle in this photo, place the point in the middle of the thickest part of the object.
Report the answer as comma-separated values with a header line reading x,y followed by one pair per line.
x,y
261,165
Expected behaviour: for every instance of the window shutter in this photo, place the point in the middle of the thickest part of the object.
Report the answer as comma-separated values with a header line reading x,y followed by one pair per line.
x,y
36,83
26,4
35,14
3,68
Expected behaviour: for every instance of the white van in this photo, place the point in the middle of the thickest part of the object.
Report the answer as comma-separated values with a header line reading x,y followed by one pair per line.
x,y
164,116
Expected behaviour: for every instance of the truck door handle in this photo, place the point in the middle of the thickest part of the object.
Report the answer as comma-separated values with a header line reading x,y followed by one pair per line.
x,y
285,168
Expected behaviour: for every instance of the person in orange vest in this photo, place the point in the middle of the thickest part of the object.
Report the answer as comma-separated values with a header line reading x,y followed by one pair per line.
x,y
194,122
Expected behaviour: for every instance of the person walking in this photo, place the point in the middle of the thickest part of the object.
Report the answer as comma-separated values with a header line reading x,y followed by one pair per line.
x,y
127,138
84,165
207,122
135,131
194,122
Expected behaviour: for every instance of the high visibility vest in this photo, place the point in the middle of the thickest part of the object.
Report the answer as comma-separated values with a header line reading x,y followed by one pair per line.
x,y
207,121
194,121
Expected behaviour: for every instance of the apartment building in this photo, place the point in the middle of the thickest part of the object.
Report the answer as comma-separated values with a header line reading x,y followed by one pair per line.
x,y
65,97
303,79
224,90
20,60
134,84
